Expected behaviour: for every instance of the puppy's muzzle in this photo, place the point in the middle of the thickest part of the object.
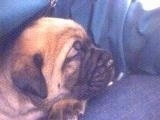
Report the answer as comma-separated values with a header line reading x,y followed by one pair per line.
x,y
97,71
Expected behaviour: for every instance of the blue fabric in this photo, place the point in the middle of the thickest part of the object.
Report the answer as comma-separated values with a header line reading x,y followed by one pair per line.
x,y
107,28
142,39
122,27
78,10
133,98
13,13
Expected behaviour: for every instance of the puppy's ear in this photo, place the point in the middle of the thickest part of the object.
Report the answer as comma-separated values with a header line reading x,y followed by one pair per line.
x,y
27,75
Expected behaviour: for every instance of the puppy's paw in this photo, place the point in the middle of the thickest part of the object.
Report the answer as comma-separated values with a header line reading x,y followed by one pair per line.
x,y
68,109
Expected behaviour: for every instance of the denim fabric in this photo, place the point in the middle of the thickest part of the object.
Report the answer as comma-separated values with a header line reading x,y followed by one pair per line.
x,y
136,97
78,10
63,9
107,28
142,39
13,13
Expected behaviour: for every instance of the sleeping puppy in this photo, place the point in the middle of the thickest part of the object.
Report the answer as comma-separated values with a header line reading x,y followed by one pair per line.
x,y
51,71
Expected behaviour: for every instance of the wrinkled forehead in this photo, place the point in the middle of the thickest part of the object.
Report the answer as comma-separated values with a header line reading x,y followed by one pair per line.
x,y
50,33
61,27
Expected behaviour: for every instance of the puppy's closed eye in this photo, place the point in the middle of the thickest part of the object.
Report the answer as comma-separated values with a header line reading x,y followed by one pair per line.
x,y
75,49
71,66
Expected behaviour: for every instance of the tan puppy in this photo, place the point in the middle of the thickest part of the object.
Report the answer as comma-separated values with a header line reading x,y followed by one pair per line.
x,y
51,71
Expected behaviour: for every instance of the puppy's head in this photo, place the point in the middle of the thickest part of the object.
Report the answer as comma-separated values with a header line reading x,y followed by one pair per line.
x,y
54,60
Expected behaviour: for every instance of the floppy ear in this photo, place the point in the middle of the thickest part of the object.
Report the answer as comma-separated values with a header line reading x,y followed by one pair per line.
x,y
27,75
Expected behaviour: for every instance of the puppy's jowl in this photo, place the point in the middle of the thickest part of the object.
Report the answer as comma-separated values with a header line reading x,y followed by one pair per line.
x,y
51,71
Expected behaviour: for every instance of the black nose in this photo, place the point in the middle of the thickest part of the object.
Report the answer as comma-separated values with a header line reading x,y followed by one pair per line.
x,y
99,58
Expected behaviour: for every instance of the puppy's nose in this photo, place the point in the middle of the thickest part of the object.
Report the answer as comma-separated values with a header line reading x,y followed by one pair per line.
x,y
100,59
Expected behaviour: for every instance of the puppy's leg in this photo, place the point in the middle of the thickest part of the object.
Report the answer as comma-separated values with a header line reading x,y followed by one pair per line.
x,y
67,109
